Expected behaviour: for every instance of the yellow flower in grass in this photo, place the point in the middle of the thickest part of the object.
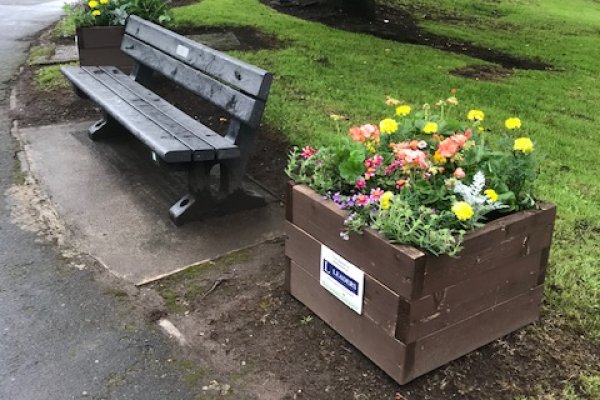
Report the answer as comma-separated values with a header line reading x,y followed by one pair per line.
x,y
476,115
388,126
403,111
93,4
95,13
430,127
104,1
462,210
491,194
512,123
523,144
386,200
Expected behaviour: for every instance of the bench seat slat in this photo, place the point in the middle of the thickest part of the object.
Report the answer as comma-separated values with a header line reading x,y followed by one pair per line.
x,y
205,142
248,78
165,145
239,105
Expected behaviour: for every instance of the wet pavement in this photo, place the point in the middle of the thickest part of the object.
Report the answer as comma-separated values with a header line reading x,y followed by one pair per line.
x,y
64,334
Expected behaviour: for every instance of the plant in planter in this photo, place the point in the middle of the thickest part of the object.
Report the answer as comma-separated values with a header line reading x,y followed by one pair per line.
x,y
100,27
453,247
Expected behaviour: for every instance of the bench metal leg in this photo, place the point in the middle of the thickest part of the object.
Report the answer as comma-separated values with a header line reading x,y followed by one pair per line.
x,y
202,202
105,127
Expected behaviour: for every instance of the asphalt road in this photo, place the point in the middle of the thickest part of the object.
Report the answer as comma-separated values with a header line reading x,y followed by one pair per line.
x,y
63,335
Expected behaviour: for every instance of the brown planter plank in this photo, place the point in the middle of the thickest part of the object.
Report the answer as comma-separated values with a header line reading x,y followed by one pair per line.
x,y
384,350
100,37
394,266
457,340
456,303
103,56
441,272
380,303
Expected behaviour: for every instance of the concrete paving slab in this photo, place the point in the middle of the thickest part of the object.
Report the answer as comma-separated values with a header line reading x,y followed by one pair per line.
x,y
116,203
60,55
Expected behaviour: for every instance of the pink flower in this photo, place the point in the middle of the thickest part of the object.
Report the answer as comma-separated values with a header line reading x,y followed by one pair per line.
x,y
376,194
459,173
390,169
308,152
361,183
370,173
364,133
374,162
412,157
447,148
450,146
362,200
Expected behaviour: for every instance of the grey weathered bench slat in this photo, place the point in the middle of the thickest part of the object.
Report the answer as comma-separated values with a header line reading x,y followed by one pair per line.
x,y
166,146
249,79
207,145
224,148
236,103
174,137
200,149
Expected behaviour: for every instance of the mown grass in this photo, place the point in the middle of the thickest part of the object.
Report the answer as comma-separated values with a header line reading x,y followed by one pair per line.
x,y
323,71
50,78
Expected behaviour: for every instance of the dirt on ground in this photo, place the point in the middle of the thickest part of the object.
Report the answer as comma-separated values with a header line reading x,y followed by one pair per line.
x,y
246,337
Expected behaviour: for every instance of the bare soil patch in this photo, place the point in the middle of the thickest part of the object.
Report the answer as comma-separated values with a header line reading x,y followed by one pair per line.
x,y
398,25
483,72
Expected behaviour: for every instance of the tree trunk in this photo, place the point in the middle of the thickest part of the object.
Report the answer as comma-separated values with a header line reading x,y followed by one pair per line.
x,y
360,8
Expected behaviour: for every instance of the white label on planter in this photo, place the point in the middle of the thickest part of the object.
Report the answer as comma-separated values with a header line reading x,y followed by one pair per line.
x,y
182,51
342,279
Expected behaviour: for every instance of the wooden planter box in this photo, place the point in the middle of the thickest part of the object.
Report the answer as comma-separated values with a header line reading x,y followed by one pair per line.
x,y
420,311
101,45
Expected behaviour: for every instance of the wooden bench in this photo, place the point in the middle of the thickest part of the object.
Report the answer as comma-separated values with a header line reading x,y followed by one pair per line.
x,y
174,138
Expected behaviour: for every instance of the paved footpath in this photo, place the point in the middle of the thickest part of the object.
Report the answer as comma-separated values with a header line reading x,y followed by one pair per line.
x,y
62,334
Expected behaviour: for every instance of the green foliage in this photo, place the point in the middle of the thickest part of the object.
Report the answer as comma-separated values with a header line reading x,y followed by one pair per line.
x,y
64,28
157,11
115,12
407,177
421,226
50,78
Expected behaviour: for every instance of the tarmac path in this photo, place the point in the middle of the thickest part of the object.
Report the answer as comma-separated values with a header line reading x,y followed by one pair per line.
x,y
63,335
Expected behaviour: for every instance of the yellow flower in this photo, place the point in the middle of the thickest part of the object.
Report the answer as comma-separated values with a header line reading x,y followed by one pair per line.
x,y
104,1
430,127
93,4
438,158
491,194
96,13
462,210
388,126
403,111
523,144
386,200
476,115
512,123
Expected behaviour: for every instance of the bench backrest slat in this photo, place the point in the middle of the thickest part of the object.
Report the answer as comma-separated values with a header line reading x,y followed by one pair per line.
x,y
236,103
248,78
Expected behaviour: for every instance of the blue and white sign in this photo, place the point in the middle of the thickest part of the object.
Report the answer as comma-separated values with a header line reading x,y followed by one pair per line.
x,y
342,279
